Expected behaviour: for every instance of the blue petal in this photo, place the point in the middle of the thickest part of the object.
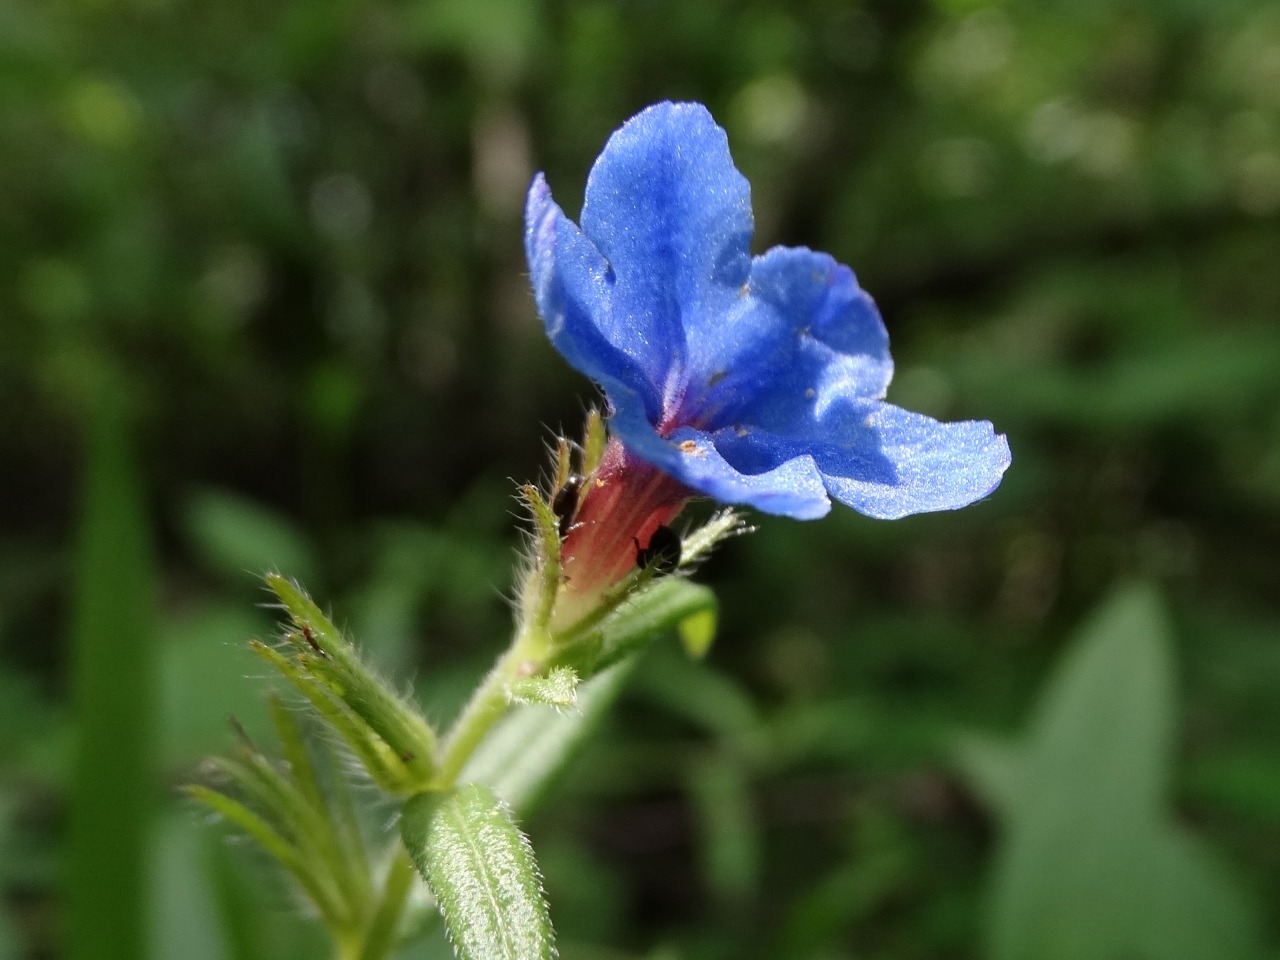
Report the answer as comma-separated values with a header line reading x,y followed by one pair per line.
x,y
572,287
802,334
791,489
881,460
672,216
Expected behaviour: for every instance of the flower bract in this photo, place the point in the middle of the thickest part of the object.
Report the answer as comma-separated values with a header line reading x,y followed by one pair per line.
x,y
753,380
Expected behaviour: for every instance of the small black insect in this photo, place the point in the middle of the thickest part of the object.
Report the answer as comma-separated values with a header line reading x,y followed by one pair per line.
x,y
311,639
565,503
662,554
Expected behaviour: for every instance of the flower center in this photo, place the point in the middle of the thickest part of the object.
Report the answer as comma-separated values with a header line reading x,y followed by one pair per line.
x,y
619,510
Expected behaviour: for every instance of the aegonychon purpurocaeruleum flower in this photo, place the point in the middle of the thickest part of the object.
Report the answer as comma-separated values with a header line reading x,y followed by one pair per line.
x,y
752,380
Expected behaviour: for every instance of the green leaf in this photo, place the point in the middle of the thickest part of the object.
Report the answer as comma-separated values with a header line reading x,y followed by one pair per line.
x,y
481,871
730,838
185,921
665,605
114,693
385,769
992,766
1091,862
383,928
240,537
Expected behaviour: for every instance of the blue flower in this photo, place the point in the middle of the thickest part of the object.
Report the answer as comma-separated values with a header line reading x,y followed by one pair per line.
x,y
755,381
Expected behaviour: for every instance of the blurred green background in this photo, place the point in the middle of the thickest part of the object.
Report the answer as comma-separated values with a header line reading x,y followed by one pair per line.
x,y
262,303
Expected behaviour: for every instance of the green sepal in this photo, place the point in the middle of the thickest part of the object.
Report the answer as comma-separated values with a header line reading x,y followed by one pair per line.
x,y
294,749
698,543
339,817
481,871
544,582
562,465
594,438
374,755
322,655
307,825
316,886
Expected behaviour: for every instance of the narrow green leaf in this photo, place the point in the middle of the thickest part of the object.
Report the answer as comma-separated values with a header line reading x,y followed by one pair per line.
x,y
308,616
301,769
480,868
546,584
342,810
114,693
664,605
396,722
305,829
593,441
284,853
384,923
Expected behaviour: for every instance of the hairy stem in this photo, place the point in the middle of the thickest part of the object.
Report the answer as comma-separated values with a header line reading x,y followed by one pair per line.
x,y
488,703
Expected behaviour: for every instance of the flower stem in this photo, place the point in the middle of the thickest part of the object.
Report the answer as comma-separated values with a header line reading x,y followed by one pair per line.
x,y
488,704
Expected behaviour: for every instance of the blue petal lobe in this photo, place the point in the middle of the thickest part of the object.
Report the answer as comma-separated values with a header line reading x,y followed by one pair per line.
x,y
936,466
803,334
571,284
671,214
881,460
